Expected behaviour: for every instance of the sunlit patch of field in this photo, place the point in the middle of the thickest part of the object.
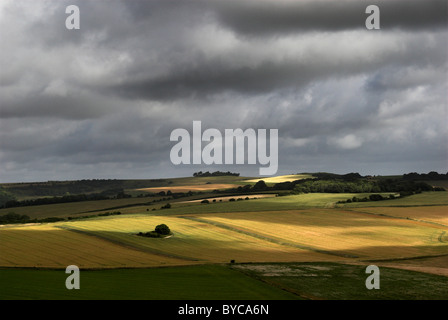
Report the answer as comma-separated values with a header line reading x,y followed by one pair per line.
x,y
193,241
339,232
202,235
285,178
48,246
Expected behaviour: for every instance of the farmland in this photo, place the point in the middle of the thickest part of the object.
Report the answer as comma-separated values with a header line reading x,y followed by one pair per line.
x,y
277,179
178,283
187,188
407,234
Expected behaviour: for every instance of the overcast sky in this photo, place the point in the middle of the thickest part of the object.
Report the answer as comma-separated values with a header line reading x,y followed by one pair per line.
x,y
101,101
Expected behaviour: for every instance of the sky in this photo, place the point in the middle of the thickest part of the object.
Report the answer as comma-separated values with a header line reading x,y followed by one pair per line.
x,y
101,102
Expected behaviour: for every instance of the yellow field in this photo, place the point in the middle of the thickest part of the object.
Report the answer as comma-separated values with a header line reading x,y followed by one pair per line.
x,y
48,246
341,232
285,178
193,241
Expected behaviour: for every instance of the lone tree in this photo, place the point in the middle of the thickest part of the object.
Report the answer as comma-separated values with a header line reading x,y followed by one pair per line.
x,y
260,185
163,229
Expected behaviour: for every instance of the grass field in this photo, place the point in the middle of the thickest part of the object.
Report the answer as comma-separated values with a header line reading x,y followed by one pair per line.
x,y
293,202
284,281
175,283
74,208
179,206
347,282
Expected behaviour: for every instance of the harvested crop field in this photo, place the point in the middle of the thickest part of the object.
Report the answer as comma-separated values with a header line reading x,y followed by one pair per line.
x,y
337,232
193,241
48,246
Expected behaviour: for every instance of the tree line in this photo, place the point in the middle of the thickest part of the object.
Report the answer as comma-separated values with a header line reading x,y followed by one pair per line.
x,y
425,176
65,199
15,218
215,174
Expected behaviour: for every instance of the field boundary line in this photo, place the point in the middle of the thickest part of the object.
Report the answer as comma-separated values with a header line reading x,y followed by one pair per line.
x,y
128,245
266,238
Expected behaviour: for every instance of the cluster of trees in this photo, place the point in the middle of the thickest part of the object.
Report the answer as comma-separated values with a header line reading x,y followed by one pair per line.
x,y
106,214
361,186
332,176
372,197
347,184
64,199
167,206
161,230
220,200
5,197
14,218
60,188
215,174
86,186
425,176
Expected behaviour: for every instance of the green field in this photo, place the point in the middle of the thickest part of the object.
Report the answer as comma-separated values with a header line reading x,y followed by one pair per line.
x,y
302,201
75,209
176,283
289,281
347,282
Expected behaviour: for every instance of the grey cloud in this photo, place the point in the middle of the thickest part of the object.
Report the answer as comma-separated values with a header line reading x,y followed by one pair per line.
x,y
258,18
204,77
101,102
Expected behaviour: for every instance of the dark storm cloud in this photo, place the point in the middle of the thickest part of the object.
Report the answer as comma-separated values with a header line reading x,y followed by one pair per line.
x,y
72,107
279,17
203,77
211,79
102,101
